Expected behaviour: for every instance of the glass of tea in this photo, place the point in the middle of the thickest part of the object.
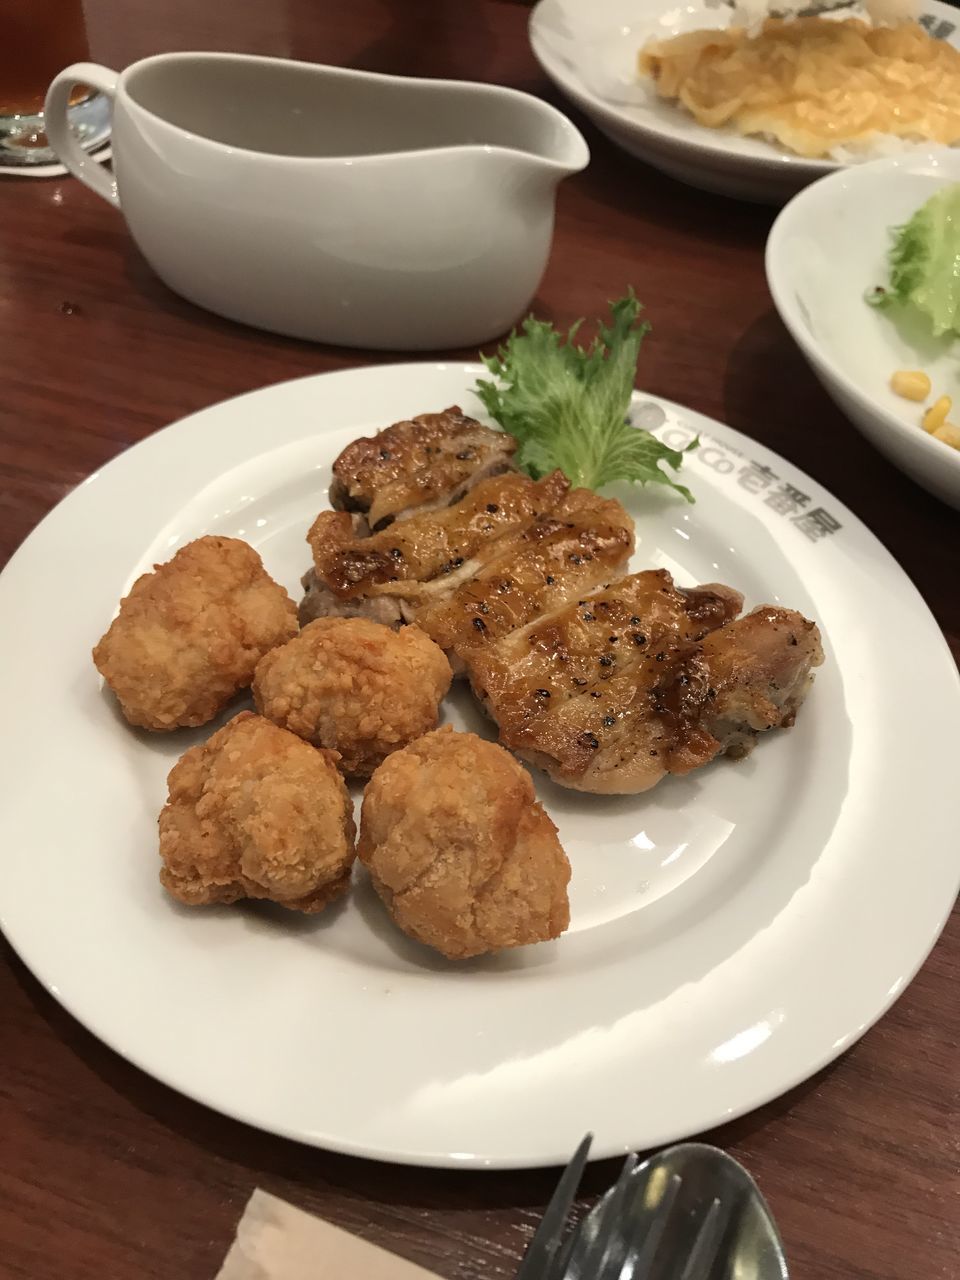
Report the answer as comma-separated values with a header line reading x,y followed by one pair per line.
x,y
38,38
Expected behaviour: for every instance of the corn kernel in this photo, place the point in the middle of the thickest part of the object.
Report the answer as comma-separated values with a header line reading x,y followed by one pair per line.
x,y
949,434
936,415
912,384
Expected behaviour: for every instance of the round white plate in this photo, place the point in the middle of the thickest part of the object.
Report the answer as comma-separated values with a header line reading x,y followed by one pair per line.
x,y
732,931
826,250
590,52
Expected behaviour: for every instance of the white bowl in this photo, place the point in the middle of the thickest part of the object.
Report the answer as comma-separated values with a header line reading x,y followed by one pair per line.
x,y
825,250
590,52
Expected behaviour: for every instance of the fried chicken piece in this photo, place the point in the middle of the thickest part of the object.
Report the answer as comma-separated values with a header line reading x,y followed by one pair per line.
x,y
464,858
190,634
354,686
424,463
257,813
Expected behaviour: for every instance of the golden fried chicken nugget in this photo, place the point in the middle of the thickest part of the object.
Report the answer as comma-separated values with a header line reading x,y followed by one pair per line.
x,y
189,634
458,848
354,686
257,813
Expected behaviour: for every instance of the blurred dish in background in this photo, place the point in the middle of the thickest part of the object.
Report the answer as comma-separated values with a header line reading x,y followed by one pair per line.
x,y
828,250
40,37
591,53
819,87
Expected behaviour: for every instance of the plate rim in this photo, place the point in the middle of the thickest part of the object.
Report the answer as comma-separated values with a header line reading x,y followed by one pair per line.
x,y
446,1159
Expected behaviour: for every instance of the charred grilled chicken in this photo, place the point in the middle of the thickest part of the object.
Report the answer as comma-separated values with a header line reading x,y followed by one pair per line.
x,y
607,683
424,463
510,549
642,679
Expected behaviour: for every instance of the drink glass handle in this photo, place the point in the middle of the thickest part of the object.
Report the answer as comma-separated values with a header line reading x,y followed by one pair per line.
x,y
61,135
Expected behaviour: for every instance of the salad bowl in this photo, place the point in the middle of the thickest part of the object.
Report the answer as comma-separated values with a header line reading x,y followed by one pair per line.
x,y
827,252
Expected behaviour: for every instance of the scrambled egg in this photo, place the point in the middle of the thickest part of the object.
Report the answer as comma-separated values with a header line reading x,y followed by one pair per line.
x,y
814,84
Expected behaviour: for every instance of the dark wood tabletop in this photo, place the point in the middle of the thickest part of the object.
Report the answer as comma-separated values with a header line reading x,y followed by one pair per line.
x,y
106,1174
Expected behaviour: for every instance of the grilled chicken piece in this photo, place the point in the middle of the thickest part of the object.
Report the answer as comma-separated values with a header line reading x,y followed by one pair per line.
x,y
468,582
420,464
607,688
641,680
427,545
320,602
760,672
585,541
556,688
581,646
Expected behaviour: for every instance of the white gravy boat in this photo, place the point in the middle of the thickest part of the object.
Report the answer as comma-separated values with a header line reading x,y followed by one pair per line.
x,y
334,205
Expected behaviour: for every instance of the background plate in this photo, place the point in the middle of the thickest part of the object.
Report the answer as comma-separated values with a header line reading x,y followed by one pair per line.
x,y
820,292
590,52
731,932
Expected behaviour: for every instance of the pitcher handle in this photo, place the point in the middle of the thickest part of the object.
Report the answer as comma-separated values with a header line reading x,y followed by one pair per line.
x,y
60,132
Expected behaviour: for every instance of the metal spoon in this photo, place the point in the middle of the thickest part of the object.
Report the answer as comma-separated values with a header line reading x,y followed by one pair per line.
x,y
644,1236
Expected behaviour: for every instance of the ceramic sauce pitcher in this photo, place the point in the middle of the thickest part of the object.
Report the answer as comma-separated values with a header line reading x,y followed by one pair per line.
x,y
335,205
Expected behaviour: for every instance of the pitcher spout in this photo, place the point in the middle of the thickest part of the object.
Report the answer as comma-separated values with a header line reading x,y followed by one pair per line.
x,y
543,139
563,150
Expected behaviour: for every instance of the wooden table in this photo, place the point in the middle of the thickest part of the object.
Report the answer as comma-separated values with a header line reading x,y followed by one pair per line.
x,y
105,1174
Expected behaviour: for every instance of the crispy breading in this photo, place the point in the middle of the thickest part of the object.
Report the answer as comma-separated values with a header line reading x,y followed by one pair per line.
x,y
257,813
458,848
354,686
190,634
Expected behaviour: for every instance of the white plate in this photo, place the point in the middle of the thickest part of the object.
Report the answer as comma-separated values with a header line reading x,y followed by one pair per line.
x,y
827,248
732,932
590,51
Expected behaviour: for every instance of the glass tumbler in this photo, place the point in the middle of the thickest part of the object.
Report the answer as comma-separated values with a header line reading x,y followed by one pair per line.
x,y
38,38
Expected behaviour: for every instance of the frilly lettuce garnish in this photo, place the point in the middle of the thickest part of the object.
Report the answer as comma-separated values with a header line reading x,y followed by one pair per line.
x,y
567,405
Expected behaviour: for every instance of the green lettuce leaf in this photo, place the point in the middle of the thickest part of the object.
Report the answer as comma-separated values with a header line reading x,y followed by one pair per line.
x,y
925,263
567,405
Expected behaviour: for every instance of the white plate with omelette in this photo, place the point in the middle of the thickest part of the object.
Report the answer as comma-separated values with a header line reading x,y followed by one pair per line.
x,y
592,53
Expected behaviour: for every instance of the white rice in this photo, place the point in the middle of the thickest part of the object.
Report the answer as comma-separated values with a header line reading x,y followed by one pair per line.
x,y
878,147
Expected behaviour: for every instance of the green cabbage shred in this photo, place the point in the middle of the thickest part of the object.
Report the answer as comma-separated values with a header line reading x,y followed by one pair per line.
x,y
925,264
